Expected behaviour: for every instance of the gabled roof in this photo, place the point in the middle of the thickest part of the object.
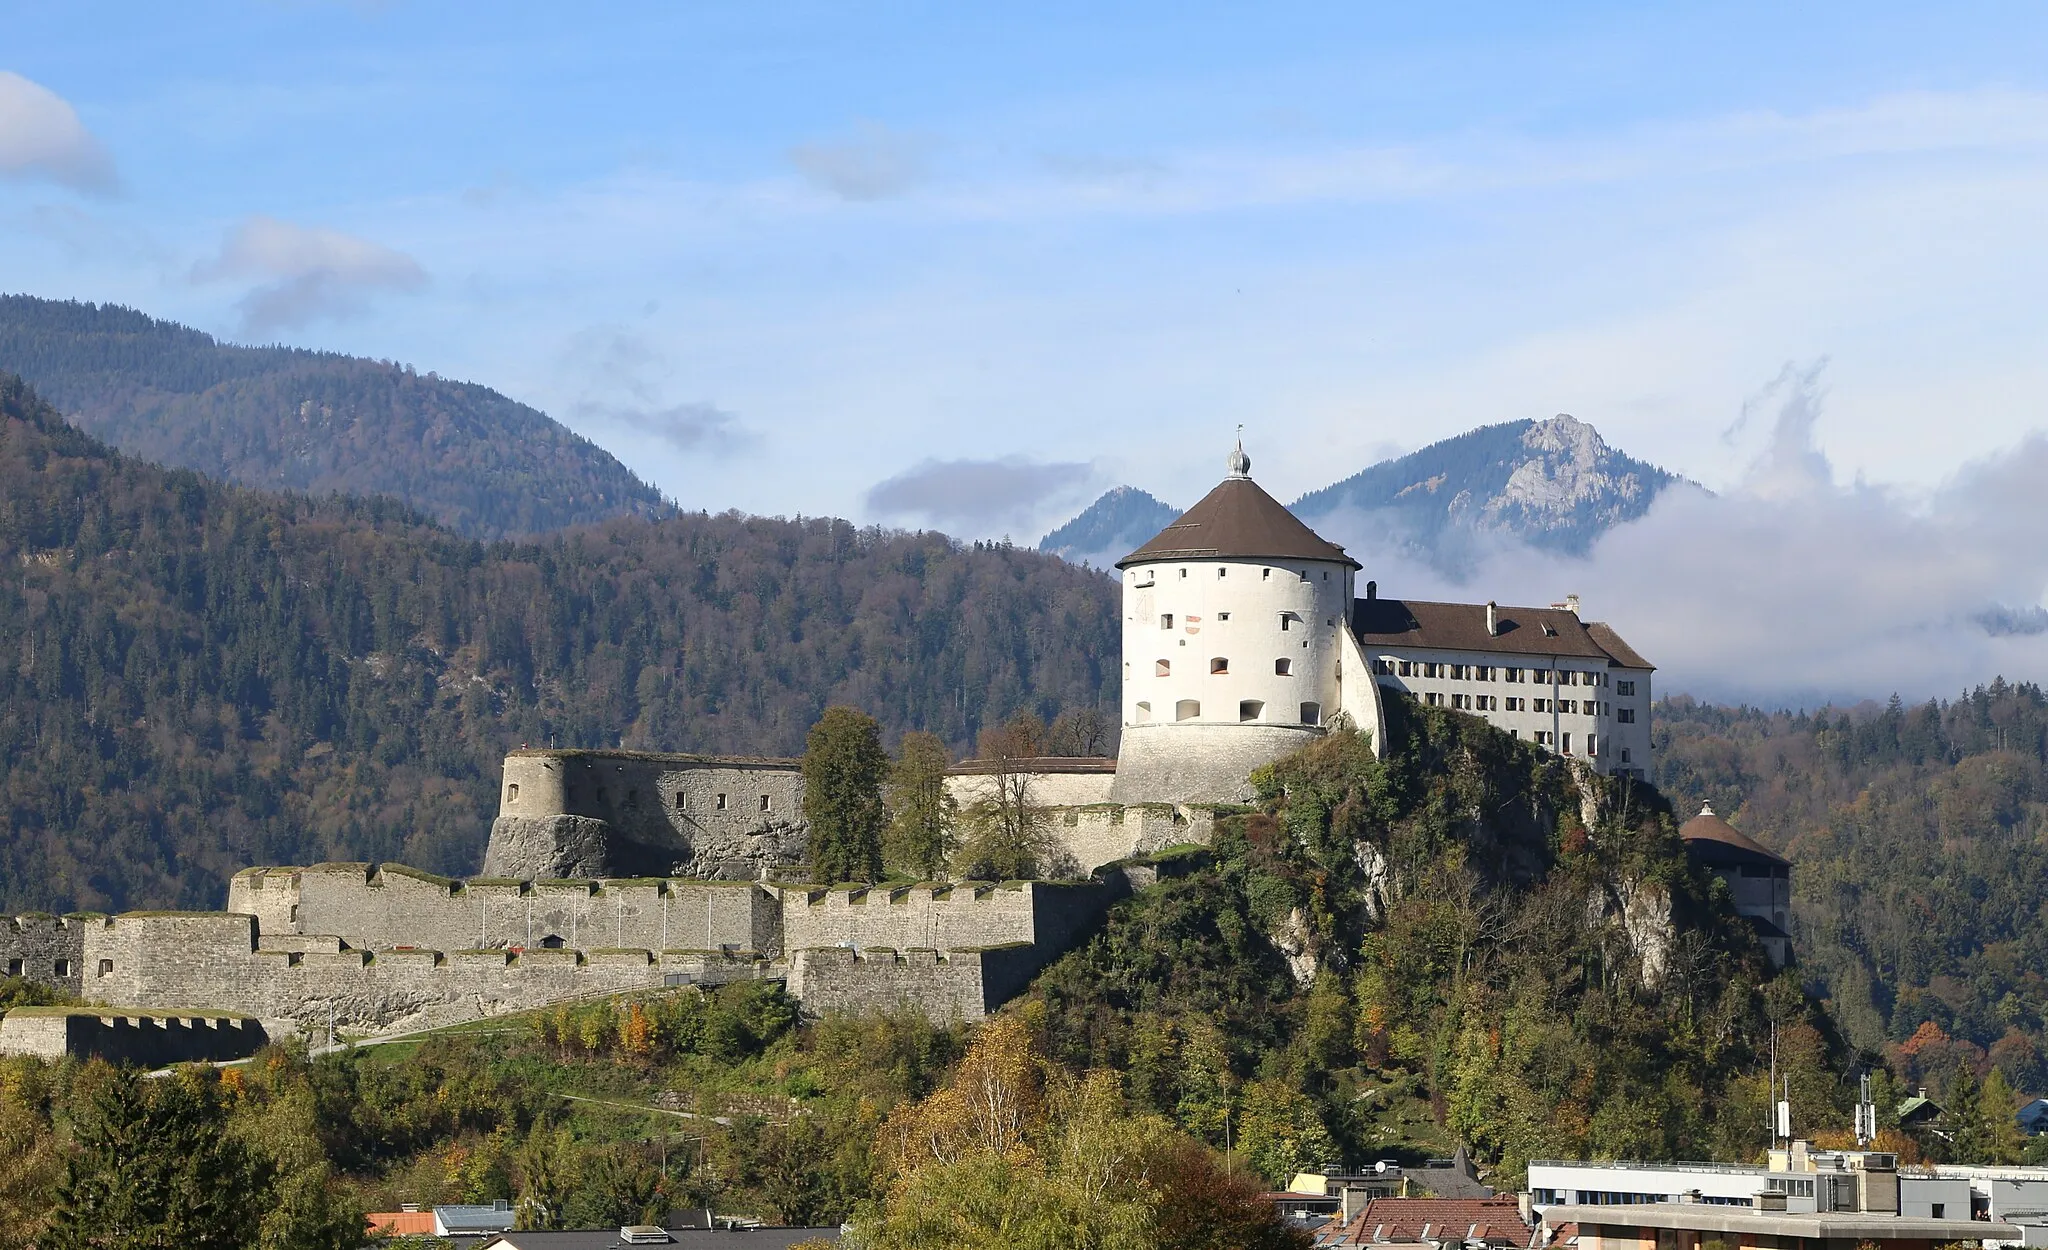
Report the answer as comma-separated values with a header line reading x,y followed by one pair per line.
x,y
1714,840
1462,627
1237,520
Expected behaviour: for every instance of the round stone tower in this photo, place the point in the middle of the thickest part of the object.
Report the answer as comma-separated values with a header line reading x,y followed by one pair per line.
x,y
1234,623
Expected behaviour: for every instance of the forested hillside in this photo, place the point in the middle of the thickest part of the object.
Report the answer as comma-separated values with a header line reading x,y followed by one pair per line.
x,y
274,417
1919,842
1465,942
196,677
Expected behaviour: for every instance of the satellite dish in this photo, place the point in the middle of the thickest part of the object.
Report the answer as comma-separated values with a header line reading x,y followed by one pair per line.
x,y
1380,1167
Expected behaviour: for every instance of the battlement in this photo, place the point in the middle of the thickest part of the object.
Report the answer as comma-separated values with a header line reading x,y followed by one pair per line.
x,y
137,1035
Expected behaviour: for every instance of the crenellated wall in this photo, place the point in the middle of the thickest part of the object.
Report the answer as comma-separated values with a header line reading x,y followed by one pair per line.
x,y
945,986
151,1039
376,907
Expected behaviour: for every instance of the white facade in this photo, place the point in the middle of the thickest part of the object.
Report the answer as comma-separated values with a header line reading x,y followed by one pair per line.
x,y
1232,642
1585,708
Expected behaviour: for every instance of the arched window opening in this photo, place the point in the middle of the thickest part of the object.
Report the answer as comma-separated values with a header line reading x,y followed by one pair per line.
x,y
1218,665
1283,667
1311,713
1144,713
1250,709
1162,668
512,793
1187,709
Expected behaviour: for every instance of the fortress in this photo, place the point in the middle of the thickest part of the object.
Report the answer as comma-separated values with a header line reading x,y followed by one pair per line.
x,y
614,871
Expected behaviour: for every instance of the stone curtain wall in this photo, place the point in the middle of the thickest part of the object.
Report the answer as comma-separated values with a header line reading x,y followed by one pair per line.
x,y
176,960
379,907
151,1040
35,946
630,813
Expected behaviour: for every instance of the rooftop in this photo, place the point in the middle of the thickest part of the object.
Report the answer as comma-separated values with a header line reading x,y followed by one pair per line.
x,y
1238,520
1036,764
676,759
1852,1225
1708,832
1386,1220
1462,627
608,1238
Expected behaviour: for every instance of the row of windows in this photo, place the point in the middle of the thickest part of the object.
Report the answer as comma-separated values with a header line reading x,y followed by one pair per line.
x,y
61,968
719,802
1388,666
1248,710
1219,666
1288,620
1494,703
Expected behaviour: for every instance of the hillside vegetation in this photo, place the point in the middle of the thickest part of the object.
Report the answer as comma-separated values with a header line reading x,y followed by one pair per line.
x,y
1919,842
278,417
1465,942
196,677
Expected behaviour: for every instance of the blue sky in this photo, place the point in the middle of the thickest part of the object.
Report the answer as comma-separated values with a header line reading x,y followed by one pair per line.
x,y
967,265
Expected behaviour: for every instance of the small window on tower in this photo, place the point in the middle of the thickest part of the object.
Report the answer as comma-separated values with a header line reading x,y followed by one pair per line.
x,y
512,793
1311,713
1162,668
765,805
1166,620
1218,665
1283,667
721,803
1187,709
1223,616
679,800
1250,710
1265,575
1144,712
1183,574
1220,571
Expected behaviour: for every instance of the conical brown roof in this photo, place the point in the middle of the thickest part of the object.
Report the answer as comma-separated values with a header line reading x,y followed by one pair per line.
x,y
1716,836
1237,520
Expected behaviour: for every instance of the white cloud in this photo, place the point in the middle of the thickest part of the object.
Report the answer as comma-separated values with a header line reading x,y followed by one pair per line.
x,y
41,137
305,273
981,496
1791,588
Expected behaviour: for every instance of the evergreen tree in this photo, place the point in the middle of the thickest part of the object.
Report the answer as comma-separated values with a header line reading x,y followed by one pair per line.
x,y
844,767
921,813
153,1167
1966,1117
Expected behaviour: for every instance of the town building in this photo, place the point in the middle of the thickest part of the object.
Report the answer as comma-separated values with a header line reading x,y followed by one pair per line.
x,y
1442,1223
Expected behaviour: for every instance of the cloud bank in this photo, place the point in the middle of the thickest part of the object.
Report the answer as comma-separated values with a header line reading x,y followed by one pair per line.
x,y
41,137
305,273
979,496
1792,588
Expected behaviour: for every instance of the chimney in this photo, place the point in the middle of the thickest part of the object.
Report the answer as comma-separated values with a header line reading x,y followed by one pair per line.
x,y
1492,619
1571,603
1372,590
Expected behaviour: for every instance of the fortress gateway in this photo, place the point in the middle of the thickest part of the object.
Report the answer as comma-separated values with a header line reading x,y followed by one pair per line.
x,y
609,871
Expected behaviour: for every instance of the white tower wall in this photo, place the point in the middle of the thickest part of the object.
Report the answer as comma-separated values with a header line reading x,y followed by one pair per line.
x,y
1231,642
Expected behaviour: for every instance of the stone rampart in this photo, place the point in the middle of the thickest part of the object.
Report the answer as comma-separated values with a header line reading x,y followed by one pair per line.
x,y
945,986
376,907
176,960
572,813
48,950
130,1035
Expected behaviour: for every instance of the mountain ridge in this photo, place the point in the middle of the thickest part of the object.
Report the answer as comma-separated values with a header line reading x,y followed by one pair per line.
x,y
320,422
1554,484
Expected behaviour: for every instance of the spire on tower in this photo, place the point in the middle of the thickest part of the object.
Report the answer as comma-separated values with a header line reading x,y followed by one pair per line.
x,y
1240,464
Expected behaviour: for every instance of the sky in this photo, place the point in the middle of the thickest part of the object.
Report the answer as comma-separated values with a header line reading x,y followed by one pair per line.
x,y
966,266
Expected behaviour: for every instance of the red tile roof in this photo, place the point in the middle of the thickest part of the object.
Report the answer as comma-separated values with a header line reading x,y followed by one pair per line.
x,y
1435,1219
402,1223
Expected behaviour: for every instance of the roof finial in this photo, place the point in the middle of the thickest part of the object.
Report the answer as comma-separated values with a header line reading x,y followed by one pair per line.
x,y
1240,464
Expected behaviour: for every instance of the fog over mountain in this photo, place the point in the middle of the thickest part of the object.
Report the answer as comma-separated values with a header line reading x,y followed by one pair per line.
x,y
1791,588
